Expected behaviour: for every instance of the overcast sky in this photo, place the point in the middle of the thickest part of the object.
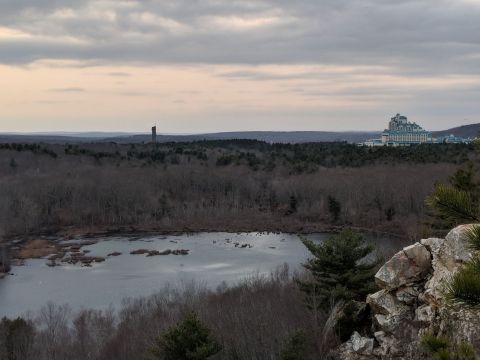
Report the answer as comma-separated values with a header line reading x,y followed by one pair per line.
x,y
219,65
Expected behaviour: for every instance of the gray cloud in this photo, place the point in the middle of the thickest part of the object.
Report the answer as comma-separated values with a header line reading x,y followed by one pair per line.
x,y
411,37
67,90
119,74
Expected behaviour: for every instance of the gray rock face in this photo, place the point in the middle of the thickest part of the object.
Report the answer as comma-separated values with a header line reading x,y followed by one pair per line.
x,y
454,248
410,302
382,302
425,313
361,345
357,348
447,256
405,267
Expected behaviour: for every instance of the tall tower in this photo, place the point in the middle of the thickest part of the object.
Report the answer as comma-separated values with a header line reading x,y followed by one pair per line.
x,y
154,134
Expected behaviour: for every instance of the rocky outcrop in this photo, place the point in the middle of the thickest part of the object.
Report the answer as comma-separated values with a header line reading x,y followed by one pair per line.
x,y
411,302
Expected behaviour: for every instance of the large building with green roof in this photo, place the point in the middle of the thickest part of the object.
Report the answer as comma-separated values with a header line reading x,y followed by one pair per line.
x,y
402,132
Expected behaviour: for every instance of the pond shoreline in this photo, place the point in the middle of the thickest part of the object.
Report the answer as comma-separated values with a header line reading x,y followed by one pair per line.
x,y
93,273
67,233
19,244
96,272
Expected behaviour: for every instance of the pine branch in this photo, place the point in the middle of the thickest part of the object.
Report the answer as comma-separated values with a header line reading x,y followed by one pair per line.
x,y
452,204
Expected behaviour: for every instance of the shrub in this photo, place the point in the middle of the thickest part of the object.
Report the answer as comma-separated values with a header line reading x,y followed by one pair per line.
x,y
433,343
440,348
443,354
465,351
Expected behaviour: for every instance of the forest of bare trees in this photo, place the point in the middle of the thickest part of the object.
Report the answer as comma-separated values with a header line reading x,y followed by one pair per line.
x,y
252,320
231,186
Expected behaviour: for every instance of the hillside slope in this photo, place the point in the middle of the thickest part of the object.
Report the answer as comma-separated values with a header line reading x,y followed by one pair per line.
x,y
471,131
268,136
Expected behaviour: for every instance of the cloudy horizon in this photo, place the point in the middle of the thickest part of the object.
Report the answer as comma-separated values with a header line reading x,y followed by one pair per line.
x,y
218,65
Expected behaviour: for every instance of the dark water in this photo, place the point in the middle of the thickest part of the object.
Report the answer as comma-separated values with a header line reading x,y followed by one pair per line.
x,y
213,258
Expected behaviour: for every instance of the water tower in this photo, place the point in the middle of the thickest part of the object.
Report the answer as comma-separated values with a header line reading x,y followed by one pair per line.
x,y
154,134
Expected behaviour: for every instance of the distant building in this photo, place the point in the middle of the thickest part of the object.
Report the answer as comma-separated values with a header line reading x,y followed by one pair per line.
x,y
154,134
452,139
401,132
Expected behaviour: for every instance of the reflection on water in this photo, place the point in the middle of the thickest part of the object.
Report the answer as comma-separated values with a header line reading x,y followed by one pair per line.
x,y
213,258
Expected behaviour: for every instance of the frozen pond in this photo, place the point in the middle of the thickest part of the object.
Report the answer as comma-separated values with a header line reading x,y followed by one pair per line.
x,y
213,258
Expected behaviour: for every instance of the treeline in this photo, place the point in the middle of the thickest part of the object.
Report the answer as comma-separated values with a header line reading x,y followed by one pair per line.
x,y
297,157
219,185
34,148
259,154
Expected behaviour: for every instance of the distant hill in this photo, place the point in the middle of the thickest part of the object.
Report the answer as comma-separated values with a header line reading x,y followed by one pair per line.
x,y
50,139
268,136
466,131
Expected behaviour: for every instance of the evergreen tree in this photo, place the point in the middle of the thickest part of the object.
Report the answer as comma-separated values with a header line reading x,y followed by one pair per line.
x,y
339,270
457,202
292,205
296,347
16,339
13,163
464,180
189,340
334,208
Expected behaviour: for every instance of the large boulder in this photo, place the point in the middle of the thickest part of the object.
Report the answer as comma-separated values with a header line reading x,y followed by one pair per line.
x,y
405,267
447,256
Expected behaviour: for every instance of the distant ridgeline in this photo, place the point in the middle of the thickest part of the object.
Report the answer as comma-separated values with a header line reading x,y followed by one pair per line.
x,y
401,132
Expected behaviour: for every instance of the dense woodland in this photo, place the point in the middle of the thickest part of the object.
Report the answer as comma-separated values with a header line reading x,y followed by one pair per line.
x,y
219,185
